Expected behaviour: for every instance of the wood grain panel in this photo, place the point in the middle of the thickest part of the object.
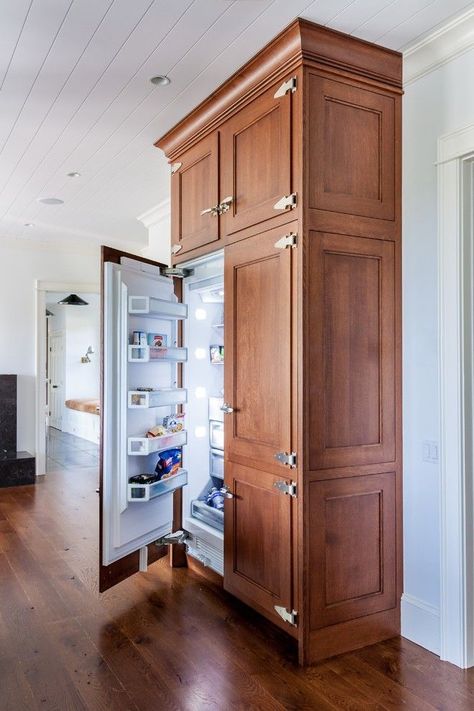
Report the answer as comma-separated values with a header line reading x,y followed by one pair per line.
x,y
353,563
350,327
256,161
350,149
257,540
258,350
194,188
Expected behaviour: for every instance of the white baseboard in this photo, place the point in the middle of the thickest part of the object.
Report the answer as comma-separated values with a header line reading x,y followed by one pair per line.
x,y
420,623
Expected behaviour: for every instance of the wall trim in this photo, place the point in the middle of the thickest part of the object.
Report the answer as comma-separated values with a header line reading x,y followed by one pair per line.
x,y
420,623
156,213
441,46
456,312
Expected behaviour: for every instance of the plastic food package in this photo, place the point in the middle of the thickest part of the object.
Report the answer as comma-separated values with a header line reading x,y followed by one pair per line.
x,y
168,463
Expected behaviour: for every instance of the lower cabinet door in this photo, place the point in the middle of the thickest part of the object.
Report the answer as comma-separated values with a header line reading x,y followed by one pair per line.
x,y
257,540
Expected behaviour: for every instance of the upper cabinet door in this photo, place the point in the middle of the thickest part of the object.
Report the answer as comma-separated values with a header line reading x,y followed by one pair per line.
x,y
194,197
256,161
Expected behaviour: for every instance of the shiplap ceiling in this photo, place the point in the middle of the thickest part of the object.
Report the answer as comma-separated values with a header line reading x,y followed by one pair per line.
x,y
75,95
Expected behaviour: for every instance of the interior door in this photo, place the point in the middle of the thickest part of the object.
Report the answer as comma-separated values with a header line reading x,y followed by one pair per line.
x,y
194,197
56,367
256,161
258,519
129,523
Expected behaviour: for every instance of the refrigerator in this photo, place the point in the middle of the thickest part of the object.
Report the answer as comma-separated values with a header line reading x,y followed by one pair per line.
x,y
162,413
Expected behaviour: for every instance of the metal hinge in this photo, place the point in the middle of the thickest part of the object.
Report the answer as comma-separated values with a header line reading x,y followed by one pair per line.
x,y
285,488
286,241
287,458
288,616
287,201
172,538
175,167
176,248
179,272
287,86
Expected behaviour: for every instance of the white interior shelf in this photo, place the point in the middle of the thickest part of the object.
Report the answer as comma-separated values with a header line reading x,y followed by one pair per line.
x,y
146,492
146,354
156,398
142,446
156,308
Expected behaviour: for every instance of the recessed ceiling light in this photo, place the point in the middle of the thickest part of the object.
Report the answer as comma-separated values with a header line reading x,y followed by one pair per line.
x,y
160,80
51,201
73,175
29,224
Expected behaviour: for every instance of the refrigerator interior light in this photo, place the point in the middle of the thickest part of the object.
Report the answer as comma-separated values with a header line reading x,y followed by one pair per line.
x,y
200,392
200,431
200,314
200,353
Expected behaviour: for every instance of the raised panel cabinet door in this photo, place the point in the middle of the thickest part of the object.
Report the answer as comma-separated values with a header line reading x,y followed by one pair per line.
x,y
194,197
256,161
351,345
257,540
352,559
351,148
258,306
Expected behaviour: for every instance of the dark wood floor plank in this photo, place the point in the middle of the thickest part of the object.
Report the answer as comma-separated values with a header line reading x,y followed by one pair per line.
x,y
167,640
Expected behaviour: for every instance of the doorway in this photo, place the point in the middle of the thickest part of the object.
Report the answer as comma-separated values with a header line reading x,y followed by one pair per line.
x,y
68,382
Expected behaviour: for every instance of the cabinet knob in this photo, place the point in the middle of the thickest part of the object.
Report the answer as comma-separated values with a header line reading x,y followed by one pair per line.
x,y
224,205
213,211
227,409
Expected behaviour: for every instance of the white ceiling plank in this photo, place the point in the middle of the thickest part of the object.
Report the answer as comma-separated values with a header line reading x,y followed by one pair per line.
x,y
431,16
390,16
108,27
14,16
42,25
356,14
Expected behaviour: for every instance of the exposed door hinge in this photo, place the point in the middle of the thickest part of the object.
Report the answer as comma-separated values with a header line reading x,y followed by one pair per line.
x,y
176,248
287,458
285,488
287,201
286,241
179,272
175,167
289,85
172,538
288,616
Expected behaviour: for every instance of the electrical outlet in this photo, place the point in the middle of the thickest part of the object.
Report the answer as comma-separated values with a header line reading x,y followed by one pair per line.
x,y
430,451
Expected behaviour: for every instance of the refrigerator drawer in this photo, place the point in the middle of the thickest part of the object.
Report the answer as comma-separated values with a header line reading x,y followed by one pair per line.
x,y
208,514
216,463
216,434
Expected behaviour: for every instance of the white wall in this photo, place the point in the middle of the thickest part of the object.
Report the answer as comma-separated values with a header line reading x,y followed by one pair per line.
x,y
20,266
437,103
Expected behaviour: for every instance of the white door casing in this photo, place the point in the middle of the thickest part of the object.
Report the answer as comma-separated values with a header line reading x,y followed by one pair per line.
x,y
456,314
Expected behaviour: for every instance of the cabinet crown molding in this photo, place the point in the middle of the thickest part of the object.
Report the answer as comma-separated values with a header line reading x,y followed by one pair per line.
x,y
302,42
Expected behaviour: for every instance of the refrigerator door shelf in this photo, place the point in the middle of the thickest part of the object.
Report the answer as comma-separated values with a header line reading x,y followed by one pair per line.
x,y
156,308
145,492
140,399
146,354
142,446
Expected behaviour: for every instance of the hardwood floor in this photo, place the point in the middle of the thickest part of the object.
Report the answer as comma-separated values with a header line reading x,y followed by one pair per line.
x,y
166,639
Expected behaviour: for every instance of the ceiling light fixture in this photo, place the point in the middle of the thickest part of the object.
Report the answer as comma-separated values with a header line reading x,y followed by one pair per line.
x,y
74,174
160,80
73,300
51,201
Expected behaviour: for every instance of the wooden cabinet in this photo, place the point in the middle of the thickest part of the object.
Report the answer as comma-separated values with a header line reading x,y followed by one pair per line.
x,y
313,534
256,161
194,195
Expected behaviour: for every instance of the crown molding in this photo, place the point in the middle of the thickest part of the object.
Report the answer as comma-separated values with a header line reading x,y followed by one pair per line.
x,y
441,46
155,214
